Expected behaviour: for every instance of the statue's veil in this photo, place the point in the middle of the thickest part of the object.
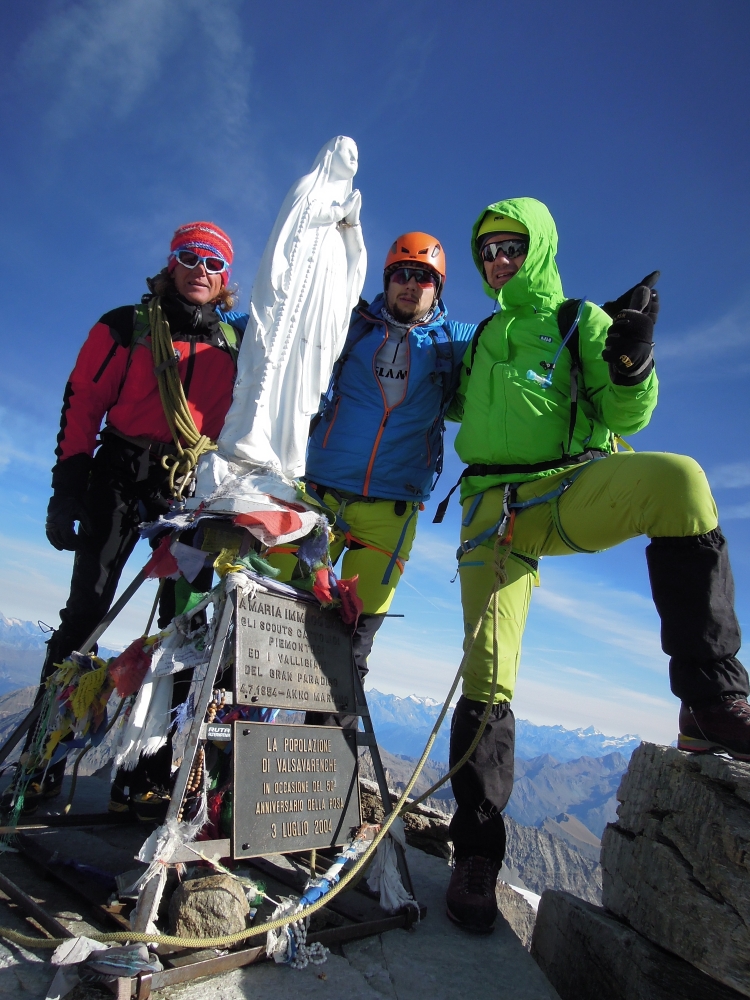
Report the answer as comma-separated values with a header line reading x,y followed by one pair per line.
x,y
317,185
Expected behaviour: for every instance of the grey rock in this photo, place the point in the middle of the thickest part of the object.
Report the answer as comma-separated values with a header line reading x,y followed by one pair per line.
x,y
677,862
517,910
589,955
208,907
425,828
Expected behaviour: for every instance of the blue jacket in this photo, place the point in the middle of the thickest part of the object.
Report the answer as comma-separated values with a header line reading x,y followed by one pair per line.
x,y
361,446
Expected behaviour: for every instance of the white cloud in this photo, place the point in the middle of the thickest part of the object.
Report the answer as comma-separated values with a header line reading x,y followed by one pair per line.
x,y
611,709
739,512
582,673
25,440
729,332
402,667
735,475
103,58
35,580
161,64
608,615
429,549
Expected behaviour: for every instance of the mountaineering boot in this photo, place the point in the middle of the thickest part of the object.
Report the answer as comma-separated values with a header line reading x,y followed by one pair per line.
x,y
722,725
151,806
41,787
693,590
470,900
119,799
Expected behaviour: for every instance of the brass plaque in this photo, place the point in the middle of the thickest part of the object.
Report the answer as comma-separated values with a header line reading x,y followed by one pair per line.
x,y
291,654
295,788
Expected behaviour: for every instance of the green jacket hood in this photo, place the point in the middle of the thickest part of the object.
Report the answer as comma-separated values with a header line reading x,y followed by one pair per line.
x,y
538,282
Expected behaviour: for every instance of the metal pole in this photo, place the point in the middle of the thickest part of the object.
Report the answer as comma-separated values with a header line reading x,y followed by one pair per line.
x,y
113,612
148,902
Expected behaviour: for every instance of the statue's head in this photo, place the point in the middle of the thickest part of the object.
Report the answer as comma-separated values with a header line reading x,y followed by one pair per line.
x,y
344,159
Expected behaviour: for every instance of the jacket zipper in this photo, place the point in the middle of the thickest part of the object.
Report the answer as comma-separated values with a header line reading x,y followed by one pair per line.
x,y
386,415
333,420
190,367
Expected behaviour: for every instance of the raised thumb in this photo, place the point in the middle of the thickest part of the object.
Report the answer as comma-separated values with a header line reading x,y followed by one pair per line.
x,y
640,298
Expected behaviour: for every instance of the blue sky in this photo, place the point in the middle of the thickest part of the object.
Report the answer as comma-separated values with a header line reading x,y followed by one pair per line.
x,y
630,120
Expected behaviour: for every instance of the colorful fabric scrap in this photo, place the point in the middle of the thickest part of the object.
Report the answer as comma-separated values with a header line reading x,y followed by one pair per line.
x,y
129,668
162,562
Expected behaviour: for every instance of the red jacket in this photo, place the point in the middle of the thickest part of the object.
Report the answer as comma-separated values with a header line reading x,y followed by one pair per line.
x,y
111,379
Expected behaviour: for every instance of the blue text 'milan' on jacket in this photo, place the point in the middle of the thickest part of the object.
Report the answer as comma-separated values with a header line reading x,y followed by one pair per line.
x,y
361,445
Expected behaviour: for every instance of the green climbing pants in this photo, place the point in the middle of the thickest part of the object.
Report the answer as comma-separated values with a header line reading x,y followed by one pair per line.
x,y
615,498
375,528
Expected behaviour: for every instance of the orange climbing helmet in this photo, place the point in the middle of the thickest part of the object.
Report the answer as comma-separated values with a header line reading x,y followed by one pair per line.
x,y
416,248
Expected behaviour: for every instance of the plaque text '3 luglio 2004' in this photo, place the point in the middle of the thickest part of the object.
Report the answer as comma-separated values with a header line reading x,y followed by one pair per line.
x,y
291,654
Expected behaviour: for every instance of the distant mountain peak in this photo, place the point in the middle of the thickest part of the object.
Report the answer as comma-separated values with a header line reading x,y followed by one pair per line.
x,y
403,724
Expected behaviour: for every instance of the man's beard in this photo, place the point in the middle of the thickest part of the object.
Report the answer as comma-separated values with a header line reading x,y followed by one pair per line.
x,y
410,317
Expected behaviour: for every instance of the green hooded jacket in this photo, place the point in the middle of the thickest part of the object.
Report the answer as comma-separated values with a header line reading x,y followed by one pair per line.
x,y
508,419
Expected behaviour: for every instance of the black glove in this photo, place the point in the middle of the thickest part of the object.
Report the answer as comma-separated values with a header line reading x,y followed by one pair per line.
x,y
69,482
626,299
62,512
629,347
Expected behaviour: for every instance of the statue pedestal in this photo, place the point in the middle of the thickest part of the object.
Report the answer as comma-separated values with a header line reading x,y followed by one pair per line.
x,y
224,487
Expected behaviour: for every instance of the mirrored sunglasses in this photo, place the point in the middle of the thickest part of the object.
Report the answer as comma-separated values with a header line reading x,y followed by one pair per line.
x,y
213,265
423,277
508,248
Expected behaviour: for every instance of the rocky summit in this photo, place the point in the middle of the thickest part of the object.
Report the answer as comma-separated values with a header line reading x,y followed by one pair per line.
x,y
675,919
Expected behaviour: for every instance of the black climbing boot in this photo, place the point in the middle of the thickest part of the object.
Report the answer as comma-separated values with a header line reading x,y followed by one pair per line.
x,y
470,901
722,726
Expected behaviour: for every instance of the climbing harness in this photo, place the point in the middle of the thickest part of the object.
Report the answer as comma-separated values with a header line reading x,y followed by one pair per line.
x,y
512,506
317,492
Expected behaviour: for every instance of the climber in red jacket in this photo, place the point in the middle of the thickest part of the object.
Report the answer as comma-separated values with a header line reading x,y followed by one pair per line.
x,y
111,478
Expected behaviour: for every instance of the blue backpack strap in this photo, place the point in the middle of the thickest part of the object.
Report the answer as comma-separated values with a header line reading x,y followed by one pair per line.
x,y
568,318
445,368
449,374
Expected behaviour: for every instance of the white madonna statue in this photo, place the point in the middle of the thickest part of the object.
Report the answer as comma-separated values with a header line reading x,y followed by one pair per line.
x,y
308,282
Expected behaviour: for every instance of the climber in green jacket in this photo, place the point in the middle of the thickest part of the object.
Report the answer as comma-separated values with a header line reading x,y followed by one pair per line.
x,y
548,387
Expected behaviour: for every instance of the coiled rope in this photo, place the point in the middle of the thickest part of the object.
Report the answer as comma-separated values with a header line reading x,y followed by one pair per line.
x,y
500,558
191,444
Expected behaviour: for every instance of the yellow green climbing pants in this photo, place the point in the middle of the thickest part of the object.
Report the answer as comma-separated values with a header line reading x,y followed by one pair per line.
x,y
375,528
615,498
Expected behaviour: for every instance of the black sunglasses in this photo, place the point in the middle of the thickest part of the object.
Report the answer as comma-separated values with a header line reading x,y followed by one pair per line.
x,y
423,277
508,248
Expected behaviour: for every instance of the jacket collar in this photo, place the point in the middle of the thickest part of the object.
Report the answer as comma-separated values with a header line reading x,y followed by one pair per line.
x,y
188,319
374,312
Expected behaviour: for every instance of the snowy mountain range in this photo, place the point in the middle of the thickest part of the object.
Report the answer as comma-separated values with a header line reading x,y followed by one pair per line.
x,y
22,652
403,725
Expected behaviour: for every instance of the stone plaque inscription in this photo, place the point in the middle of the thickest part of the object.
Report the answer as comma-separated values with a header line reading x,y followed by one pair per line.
x,y
291,654
295,788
